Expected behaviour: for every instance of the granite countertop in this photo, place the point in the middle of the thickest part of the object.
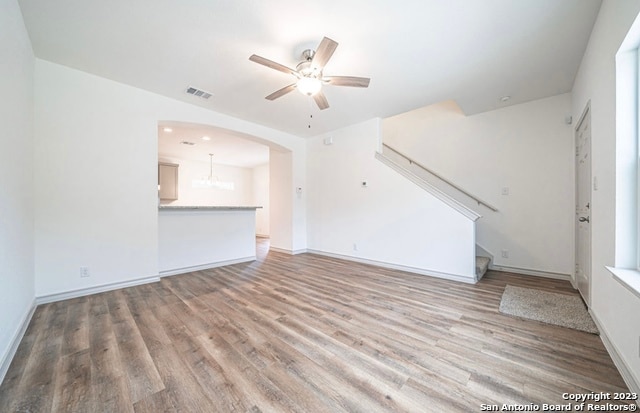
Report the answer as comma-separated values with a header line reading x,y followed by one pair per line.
x,y
206,207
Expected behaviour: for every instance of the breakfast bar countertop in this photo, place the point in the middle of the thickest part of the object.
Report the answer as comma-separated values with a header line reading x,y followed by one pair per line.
x,y
207,207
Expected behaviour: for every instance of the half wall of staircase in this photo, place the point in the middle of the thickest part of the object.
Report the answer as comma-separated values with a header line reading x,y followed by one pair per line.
x,y
442,189
519,159
362,209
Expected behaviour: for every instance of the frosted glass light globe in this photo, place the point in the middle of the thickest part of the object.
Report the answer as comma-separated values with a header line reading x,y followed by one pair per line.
x,y
309,85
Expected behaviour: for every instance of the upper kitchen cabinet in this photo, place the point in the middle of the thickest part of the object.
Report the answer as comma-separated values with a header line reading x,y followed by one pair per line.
x,y
168,181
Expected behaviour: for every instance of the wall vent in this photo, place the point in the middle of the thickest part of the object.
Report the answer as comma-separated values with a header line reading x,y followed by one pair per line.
x,y
198,92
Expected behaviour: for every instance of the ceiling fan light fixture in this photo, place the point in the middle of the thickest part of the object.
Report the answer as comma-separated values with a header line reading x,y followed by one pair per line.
x,y
309,74
309,85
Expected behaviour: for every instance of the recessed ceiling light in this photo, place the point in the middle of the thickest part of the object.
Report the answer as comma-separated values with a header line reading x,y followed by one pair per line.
x,y
505,98
169,130
205,138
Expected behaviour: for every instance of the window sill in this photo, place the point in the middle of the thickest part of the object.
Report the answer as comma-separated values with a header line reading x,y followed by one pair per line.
x,y
627,277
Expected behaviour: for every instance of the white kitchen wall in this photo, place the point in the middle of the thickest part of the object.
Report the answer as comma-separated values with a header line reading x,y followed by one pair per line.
x,y
261,198
390,221
526,149
16,180
189,170
616,308
96,172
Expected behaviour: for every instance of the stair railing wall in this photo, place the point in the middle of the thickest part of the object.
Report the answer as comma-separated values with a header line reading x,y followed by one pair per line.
x,y
442,179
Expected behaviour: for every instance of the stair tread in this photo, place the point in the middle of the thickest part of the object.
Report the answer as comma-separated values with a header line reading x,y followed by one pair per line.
x,y
482,260
482,264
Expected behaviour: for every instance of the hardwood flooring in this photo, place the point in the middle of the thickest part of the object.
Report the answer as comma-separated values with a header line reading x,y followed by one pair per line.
x,y
300,333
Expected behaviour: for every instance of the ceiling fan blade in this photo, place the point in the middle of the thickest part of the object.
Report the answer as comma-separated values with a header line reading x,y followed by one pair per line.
x,y
281,92
321,100
270,63
323,53
347,81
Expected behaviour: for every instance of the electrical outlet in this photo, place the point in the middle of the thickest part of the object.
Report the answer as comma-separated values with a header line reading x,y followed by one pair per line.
x,y
505,253
84,272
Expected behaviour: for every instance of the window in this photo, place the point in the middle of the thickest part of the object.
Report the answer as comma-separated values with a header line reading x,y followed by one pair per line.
x,y
627,247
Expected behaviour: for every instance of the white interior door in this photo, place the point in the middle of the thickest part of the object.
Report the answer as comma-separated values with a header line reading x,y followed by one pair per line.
x,y
583,205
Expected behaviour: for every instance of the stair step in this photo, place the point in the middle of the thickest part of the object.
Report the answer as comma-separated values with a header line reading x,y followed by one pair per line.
x,y
482,265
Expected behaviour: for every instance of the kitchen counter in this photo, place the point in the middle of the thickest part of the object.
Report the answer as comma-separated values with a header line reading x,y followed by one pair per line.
x,y
195,238
208,207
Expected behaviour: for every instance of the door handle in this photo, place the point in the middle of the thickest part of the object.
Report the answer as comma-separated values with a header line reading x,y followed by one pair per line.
x,y
583,219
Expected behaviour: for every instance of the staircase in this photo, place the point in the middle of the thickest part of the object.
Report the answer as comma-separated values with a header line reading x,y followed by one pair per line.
x,y
482,265
442,189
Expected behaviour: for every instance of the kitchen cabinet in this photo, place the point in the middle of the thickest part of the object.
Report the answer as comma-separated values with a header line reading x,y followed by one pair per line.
x,y
168,181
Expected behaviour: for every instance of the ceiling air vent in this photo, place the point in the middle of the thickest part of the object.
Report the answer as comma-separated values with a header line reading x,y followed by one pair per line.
x,y
187,143
200,93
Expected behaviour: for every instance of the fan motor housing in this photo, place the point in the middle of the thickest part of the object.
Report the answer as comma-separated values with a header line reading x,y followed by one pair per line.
x,y
304,67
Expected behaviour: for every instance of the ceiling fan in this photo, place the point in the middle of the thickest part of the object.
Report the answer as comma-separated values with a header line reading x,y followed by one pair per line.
x,y
309,74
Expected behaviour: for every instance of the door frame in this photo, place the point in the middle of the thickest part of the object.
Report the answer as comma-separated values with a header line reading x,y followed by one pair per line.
x,y
585,113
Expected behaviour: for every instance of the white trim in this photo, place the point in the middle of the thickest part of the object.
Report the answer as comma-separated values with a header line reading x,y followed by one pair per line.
x,y
625,371
630,278
280,250
483,252
462,209
287,251
573,282
421,271
50,298
208,266
529,271
7,358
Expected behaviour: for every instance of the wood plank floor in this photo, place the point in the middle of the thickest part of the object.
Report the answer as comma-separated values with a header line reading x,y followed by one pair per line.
x,y
300,333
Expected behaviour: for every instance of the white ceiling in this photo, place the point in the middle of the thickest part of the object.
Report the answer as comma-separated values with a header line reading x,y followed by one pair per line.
x,y
227,147
417,52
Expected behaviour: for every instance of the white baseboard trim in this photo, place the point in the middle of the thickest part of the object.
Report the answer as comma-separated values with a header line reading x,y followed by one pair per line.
x,y
421,271
7,357
208,266
625,371
572,280
50,298
287,251
528,271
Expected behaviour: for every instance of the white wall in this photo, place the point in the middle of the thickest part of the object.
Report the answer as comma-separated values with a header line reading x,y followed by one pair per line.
x,y
613,305
391,221
16,178
526,148
189,170
280,196
261,198
287,206
96,174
